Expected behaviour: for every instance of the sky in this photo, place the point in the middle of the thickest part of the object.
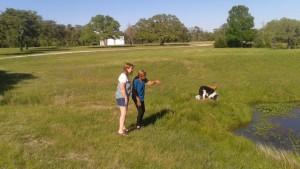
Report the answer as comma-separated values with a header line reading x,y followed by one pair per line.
x,y
206,14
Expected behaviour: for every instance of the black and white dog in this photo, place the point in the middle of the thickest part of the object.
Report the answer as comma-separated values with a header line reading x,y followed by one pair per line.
x,y
207,92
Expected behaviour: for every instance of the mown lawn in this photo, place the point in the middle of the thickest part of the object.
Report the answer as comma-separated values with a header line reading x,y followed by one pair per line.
x,y
59,111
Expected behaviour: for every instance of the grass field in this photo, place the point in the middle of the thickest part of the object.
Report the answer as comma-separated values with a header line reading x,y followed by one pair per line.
x,y
59,111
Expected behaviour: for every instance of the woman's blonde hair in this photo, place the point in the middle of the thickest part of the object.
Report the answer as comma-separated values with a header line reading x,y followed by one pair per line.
x,y
127,66
141,73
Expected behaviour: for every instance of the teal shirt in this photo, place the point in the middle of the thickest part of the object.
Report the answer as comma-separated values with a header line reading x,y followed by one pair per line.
x,y
139,87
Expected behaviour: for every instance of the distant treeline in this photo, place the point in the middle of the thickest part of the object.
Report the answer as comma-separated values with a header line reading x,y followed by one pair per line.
x,y
22,28
239,31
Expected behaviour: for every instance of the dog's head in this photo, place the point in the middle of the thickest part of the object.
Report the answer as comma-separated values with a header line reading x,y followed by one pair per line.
x,y
215,97
213,87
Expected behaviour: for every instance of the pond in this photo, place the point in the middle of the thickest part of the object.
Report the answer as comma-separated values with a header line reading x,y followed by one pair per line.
x,y
281,131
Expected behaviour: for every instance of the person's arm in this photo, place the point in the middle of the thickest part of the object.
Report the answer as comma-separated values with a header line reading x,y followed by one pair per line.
x,y
153,82
138,101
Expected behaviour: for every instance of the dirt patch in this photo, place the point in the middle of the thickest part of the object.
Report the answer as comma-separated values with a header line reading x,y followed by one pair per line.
x,y
37,143
77,156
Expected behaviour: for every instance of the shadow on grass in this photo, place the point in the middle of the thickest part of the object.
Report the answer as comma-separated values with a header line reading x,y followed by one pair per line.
x,y
8,80
36,51
151,119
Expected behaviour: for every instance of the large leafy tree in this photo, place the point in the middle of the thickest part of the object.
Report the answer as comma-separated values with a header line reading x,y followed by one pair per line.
x,y
240,26
88,35
162,28
168,27
52,34
61,35
48,33
72,35
282,31
2,33
144,30
79,30
105,27
21,27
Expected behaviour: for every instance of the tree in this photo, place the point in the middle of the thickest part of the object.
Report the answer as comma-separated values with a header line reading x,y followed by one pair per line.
x,y
52,34
21,26
240,26
283,31
2,33
48,33
162,28
197,34
168,27
88,36
79,30
72,35
220,37
105,27
130,34
60,35
144,30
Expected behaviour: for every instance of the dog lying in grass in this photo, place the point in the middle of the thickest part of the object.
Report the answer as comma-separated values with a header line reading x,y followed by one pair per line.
x,y
207,92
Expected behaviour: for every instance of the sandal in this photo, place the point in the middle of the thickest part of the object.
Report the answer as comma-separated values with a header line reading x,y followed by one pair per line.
x,y
122,134
125,130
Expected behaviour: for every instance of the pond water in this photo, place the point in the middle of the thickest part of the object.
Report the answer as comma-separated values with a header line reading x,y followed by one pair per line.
x,y
281,132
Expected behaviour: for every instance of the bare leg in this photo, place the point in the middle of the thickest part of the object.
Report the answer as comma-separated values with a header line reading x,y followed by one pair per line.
x,y
123,111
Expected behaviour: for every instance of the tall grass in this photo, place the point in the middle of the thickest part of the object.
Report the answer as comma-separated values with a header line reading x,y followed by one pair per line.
x,y
59,111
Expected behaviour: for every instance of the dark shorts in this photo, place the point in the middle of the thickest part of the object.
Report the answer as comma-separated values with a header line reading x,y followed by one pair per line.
x,y
121,102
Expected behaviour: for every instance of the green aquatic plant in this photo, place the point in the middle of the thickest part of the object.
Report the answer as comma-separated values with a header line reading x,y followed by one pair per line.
x,y
267,130
276,109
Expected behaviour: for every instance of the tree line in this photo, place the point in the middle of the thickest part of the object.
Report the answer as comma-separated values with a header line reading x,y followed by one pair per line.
x,y
239,31
23,29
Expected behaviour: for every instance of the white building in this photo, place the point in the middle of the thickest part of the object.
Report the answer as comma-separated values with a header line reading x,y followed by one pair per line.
x,y
113,42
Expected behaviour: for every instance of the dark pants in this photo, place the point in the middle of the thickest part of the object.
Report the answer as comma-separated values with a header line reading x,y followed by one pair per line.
x,y
141,111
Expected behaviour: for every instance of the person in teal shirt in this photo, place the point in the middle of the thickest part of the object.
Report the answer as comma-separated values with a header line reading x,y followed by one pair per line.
x,y
138,94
